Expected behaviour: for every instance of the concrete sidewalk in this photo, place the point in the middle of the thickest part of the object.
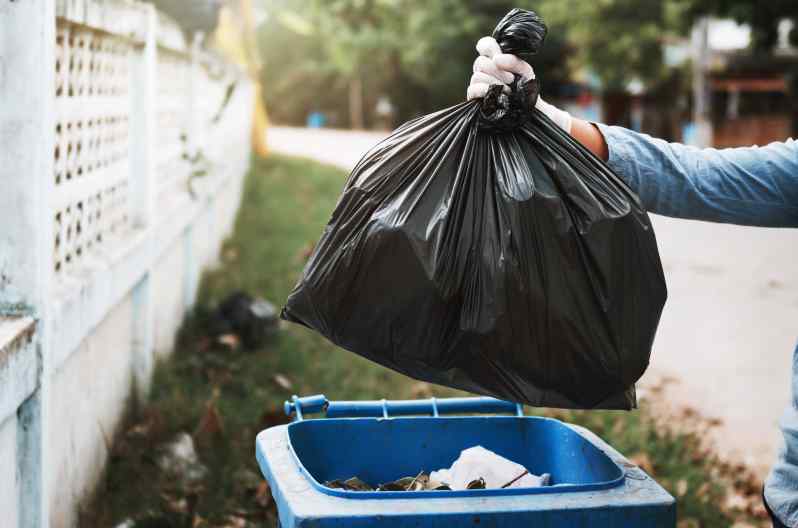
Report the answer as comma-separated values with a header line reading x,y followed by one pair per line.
x,y
728,330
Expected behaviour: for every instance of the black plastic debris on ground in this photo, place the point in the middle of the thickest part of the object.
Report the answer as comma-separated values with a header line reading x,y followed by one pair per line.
x,y
252,319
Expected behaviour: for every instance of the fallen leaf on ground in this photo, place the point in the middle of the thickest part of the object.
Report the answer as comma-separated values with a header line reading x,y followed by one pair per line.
x,y
618,426
142,429
234,521
644,462
175,504
703,491
263,495
211,421
758,510
775,284
282,381
231,341
681,488
735,501
421,389
305,252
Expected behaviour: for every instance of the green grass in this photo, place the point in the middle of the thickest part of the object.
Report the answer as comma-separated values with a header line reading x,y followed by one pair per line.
x,y
286,204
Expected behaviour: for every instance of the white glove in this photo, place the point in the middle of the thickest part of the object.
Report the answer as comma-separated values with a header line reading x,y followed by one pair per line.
x,y
494,67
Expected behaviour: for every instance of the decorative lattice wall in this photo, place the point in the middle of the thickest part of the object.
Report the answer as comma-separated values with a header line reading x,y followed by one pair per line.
x,y
95,94
106,114
92,143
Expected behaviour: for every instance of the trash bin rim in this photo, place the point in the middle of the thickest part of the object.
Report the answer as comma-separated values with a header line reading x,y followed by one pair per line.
x,y
363,495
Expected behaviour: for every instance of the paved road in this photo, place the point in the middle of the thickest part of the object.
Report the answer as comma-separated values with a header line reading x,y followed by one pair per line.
x,y
728,329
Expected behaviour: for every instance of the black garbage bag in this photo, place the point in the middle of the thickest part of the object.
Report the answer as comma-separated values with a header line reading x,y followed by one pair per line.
x,y
483,248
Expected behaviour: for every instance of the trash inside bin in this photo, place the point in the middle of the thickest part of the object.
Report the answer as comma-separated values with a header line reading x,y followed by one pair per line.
x,y
590,483
475,468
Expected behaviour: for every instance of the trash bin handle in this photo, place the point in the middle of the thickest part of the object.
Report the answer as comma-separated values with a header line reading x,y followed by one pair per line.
x,y
298,407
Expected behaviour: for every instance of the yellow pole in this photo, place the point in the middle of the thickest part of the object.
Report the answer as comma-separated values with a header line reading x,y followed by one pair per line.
x,y
235,36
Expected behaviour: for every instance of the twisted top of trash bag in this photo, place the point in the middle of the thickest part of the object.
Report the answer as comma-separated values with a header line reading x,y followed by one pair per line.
x,y
520,32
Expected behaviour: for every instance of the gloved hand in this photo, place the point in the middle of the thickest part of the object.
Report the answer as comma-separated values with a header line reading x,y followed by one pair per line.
x,y
494,67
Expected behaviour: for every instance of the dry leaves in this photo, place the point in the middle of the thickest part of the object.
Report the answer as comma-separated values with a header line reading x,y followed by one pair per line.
x,y
282,381
681,488
231,341
643,461
305,252
421,389
263,495
175,504
230,254
211,424
703,492
234,521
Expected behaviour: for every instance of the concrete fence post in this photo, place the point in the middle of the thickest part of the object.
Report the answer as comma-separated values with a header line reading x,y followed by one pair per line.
x,y
143,122
27,136
143,97
196,142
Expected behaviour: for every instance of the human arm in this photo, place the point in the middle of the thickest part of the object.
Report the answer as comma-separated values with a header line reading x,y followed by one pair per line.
x,y
755,186
750,186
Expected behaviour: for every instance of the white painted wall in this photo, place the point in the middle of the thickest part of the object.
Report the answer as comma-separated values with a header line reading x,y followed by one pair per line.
x,y
102,241
9,489
168,284
89,393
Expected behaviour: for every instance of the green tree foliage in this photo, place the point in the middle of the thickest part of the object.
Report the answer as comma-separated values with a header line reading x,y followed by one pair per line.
x,y
417,52
329,55
619,40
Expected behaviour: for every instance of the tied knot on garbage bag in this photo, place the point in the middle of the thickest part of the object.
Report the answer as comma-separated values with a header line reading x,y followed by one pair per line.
x,y
502,112
516,264
520,33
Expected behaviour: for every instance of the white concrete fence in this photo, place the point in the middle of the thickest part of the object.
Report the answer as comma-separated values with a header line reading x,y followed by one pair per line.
x,y
122,154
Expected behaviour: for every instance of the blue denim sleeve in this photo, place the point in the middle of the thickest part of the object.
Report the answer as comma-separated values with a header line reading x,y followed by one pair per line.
x,y
755,186
750,186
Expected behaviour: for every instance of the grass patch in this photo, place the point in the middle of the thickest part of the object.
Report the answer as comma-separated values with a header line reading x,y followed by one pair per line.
x,y
223,397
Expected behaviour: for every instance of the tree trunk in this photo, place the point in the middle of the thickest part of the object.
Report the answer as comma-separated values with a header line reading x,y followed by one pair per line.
x,y
356,120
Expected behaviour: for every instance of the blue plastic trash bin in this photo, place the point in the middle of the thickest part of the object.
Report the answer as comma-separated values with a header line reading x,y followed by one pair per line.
x,y
592,485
